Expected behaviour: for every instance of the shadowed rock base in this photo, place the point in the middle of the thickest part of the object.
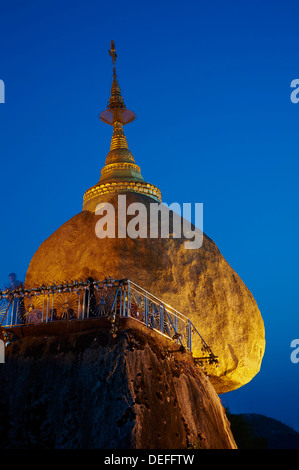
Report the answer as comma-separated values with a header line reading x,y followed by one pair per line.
x,y
93,389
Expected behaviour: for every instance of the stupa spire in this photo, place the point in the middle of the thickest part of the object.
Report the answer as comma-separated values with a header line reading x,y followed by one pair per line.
x,y
117,115
120,173
116,110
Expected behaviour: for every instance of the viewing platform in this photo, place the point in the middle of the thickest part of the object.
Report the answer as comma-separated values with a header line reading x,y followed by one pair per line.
x,y
77,305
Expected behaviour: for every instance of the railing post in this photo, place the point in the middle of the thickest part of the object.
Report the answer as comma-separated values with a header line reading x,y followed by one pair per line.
x,y
120,300
79,305
145,310
83,310
117,295
88,303
43,312
12,311
162,318
124,302
189,336
128,300
52,309
48,300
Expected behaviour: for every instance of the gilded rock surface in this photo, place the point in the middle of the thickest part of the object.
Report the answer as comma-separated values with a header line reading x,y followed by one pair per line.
x,y
197,282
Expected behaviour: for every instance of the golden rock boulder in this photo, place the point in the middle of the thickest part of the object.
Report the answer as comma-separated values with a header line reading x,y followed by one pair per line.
x,y
197,282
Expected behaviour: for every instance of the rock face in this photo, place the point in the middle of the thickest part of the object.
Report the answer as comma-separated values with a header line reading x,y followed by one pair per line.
x,y
197,282
93,390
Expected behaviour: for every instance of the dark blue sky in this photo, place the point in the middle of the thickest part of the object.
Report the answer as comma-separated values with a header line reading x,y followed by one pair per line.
x,y
210,85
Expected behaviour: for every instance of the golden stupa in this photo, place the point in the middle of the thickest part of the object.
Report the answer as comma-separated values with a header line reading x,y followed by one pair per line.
x,y
199,283
120,173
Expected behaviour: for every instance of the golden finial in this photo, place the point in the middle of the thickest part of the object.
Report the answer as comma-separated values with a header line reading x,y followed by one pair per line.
x,y
112,52
116,110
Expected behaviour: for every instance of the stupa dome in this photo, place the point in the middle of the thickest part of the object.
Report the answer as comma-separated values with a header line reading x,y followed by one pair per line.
x,y
197,282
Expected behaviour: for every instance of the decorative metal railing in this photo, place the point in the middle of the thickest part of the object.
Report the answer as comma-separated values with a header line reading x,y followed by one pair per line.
x,y
80,300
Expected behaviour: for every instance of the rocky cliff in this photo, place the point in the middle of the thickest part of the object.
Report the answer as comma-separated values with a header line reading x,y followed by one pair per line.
x,y
91,389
